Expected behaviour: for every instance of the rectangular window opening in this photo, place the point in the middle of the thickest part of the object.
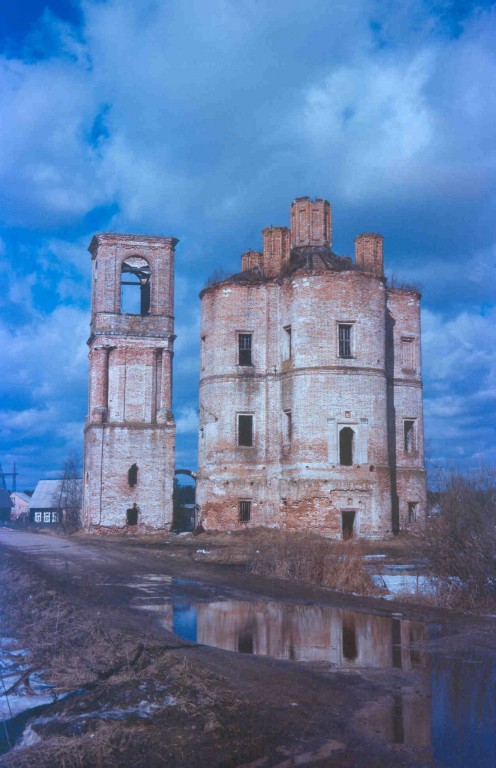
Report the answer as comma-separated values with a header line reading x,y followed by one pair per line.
x,y
408,353
344,339
245,429
412,511
287,343
244,349
244,510
409,436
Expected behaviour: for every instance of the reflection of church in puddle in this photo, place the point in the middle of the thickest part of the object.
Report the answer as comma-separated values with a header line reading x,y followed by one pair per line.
x,y
343,638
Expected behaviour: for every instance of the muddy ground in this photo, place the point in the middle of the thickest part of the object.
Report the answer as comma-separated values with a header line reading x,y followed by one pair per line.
x,y
141,696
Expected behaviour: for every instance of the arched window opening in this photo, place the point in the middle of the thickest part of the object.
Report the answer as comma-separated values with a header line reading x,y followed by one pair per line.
x,y
135,286
132,515
346,446
132,475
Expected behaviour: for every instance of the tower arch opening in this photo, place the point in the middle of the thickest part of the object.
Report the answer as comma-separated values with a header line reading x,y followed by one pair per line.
x,y
135,286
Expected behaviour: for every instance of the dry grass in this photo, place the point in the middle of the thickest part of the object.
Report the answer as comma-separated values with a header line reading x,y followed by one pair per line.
x,y
311,558
460,541
170,709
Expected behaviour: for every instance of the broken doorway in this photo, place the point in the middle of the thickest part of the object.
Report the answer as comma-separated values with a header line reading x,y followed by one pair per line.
x,y
348,523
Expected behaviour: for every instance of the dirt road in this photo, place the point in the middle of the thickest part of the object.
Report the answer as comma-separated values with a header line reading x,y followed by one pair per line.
x,y
348,681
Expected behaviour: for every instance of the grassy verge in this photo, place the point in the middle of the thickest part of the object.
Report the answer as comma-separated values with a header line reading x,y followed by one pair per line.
x,y
142,702
311,558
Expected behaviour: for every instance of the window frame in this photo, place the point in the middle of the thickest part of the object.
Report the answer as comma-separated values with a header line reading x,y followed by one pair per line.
x,y
348,325
288,343
244,512
251,416
414,432
239,350
412,511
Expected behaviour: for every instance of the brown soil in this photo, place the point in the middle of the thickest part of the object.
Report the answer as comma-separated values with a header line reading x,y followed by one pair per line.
x,y
151,699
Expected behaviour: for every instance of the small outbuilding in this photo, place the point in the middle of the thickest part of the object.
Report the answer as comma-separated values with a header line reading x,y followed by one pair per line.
x,y
45,504
20,505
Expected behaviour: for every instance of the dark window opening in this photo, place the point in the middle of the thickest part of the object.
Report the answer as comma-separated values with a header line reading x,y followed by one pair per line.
x,y
245,643
346,446
132,515
409,435
244,511
135,287
412,511
344,340
132,475
347,523
288,348
244,349
245,430
350,647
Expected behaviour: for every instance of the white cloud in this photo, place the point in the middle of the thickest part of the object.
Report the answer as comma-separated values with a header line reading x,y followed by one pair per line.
x,y
187,421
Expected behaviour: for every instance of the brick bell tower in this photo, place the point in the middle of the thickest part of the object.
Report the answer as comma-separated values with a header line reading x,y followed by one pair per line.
x,y
129,446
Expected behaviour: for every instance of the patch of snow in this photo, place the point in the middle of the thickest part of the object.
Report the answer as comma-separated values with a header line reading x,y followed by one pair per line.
x,y
28,738
397,584
10,706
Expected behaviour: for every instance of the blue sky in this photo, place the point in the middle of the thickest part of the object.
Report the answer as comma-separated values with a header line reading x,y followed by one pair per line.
x,y
203,119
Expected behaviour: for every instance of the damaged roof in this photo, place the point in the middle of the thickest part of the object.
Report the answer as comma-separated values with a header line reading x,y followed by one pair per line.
x,y
307,259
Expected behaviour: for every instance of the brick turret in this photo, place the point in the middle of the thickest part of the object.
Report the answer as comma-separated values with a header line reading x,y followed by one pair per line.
x,y
275,249
369,253
311,223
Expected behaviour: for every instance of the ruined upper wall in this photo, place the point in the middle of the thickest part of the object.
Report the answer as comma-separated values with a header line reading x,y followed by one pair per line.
x,y
306,244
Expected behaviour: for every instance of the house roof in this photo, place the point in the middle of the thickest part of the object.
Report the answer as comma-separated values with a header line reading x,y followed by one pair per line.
x,y
47,494
5,500
20,495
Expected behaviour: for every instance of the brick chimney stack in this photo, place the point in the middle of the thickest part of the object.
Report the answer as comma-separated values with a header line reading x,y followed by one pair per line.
x,y
311,223
275,249
369,253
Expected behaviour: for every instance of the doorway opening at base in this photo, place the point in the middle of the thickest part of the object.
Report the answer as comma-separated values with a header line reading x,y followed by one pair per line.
x,y
348,523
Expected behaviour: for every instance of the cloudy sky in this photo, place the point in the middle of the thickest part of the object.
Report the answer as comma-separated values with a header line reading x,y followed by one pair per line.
x,y
203,119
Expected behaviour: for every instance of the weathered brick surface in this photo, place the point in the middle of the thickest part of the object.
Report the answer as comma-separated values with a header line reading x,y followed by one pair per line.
x,y
299,483
129,418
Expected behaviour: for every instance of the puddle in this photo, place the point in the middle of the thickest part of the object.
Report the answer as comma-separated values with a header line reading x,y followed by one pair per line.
x,y
296,632
447,711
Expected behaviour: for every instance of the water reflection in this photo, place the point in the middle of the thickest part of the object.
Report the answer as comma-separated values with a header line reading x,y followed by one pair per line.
x,y
446,710
299,632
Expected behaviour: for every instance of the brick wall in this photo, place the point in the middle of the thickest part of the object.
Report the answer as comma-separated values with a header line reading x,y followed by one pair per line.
x,y
299,482
130,419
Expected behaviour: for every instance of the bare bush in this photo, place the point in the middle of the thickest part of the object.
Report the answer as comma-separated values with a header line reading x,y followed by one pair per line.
x,y
460,539
311,558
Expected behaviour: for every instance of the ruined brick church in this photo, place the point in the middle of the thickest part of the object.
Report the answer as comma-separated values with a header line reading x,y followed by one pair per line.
x,y
310,388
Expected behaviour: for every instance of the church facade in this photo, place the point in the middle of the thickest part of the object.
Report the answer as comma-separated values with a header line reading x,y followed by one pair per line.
x,y
311,389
